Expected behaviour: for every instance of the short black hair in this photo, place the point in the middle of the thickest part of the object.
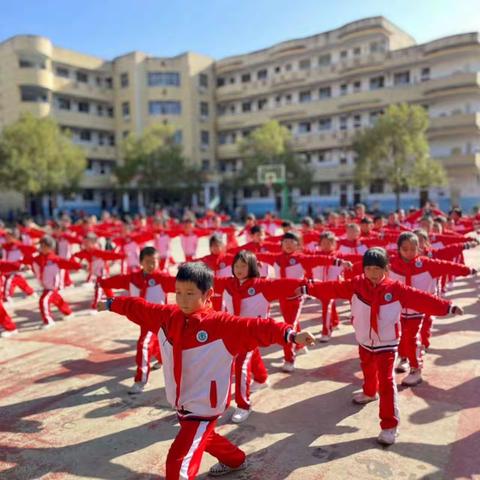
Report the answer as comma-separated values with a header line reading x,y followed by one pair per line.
x,y
287,224
328,235
147,251
366,221
250,259
215,238
291,236
375,257
407,237
256,229
197,273
48,241
307,221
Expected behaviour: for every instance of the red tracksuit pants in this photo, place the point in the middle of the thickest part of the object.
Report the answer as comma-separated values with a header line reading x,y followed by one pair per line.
x,y
290,310
147,348
409,346
329,317
379,377
65,279
12,282
5,320
48,298
248,364
426,330
194,438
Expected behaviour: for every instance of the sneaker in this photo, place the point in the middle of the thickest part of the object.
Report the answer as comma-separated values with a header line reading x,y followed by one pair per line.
x,y
136,388
240,415
157,365
288,367
387,436
413,378
220,469
46,326
34,296
8,333
325,338
402,365
256,386
361,399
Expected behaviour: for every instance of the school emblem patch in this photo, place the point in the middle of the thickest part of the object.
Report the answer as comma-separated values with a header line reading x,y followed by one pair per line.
x,y
430,254
251,291
151,282
293,261
388,297
418,263
202,336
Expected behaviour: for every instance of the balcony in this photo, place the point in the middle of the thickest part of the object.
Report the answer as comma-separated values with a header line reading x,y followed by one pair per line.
x,y
38,77
97,181
100,152
461,82
83,120
70,86
454,124
461,164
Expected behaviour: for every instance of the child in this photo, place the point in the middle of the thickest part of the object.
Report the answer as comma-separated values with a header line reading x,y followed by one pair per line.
x,y
189,239
377,303
421,273
8,325
198,347
153,286
247,295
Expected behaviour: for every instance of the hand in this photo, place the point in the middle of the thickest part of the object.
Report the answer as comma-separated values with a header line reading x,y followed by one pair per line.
x,y
456,310
346,264
102,307
304,338
298,292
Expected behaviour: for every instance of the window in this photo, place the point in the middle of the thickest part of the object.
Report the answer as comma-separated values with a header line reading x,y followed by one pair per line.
x,y
288,98
377,186
100,110
325,124
205,138
204,109
324,60
232,80
304,127
357,86
33,94
262,103
24,63
163,79
288,67
124,80
85,135
278,69
109,82
203,80
111,140
178,137
126,110
81,77
343,160
357,121
110,112
377,82
343,89
63,103
325,188
205,165
304,64
343,54
278,100
222,138
62,72
377,47
125,133
166,107
374,116
246,77
246,106
87,195
83,107
101,139
324,92
220,82
401,78
99,81
262,74
305,97
321,157
357,51
221,109
425,76
343,122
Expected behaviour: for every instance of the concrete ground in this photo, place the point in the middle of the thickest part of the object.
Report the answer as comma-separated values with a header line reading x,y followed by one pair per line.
x,y
65,412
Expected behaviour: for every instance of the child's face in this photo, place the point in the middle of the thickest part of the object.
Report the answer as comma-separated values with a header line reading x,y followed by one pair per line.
x,y
421,243
289,245
437,228
258,237
408,250
365,227
44,248
327,245
188,227
240,270
149,263
379,223
352,233
426,225
190,298
217,248
374,274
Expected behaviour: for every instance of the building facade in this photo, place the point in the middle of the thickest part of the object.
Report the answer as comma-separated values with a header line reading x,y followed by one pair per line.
x,y
323,88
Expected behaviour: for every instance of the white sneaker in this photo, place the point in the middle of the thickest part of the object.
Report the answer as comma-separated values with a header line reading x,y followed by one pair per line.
x,y
302,351
325,338
256,386
387,436
136,388
46,326
288,367
68,317
363,399
402,365
413,378
157,365
220,469
240,415
34,296
8,333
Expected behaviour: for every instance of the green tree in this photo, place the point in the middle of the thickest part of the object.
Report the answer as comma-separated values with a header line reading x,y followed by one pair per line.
x,y
396,149
154,162
37,157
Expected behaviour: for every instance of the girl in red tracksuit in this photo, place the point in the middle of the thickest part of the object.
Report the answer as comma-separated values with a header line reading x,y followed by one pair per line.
x,y
421,273
247,295
8,325
153,286
377,302
198,348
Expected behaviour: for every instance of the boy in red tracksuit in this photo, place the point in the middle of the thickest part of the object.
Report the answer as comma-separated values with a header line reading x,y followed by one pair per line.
x,y
8,325
130,244
153,286
377,303
189,239
198,347
421,273
47,267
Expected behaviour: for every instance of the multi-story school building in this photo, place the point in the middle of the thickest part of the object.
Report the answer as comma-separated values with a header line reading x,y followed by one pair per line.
x,y
323,88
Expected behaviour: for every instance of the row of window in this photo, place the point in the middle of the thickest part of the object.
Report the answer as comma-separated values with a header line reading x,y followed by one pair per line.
x,y
83,106
81,76
323,60
97,137
323,93
163,79
166,107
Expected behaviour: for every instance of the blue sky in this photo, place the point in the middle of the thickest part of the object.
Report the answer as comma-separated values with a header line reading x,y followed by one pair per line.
x,y
219,28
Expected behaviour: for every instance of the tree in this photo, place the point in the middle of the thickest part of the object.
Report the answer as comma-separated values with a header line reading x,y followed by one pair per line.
x,y
37,157
396,149
153,161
